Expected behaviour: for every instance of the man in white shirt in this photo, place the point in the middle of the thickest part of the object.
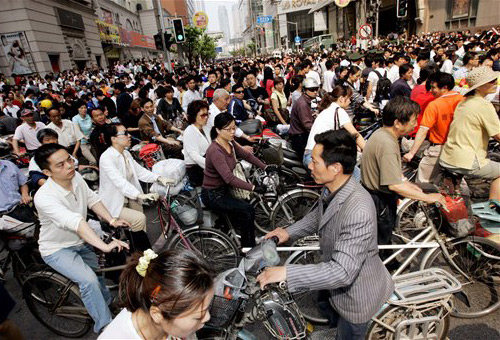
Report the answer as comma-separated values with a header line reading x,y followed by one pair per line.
x,y
328,76
69,134
66,239
310,73
393,73
379,66
11,109
191,94
26,132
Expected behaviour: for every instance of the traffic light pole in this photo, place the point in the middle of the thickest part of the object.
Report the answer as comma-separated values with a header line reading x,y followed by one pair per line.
x,y
162,25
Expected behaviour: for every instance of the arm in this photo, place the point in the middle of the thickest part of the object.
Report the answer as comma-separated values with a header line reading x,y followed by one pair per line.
x,y
360,141
89,236
419,140
77,146
25,196
15,146
110,168
497,137
242,153
369,90
222,168
275,105
410,190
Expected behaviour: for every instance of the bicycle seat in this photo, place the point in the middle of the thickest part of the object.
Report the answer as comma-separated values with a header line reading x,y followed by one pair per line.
x,y
454,176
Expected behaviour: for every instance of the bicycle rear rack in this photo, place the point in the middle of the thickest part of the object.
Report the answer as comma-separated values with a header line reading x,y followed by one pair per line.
x,y
426,328
424,286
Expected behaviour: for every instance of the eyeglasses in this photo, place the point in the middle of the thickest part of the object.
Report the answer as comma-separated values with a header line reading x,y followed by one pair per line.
x,y
238,92
313,89
229,129
122,133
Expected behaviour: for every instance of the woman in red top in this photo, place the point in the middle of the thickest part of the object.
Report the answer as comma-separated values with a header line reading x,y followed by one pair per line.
x,y
268,82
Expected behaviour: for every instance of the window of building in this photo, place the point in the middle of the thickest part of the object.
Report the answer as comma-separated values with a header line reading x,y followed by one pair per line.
x,y
54,62
461,13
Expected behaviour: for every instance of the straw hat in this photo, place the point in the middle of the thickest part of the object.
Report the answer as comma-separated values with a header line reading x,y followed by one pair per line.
x,y
480,76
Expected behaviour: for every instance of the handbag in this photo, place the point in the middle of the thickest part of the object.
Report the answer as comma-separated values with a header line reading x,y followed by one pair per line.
x,y
239,173
270,116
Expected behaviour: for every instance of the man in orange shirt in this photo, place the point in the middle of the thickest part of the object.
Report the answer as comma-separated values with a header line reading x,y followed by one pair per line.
x,y
436,121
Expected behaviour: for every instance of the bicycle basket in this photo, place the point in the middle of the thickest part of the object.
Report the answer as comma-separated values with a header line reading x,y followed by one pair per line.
x,y
223,311
187,209
150,154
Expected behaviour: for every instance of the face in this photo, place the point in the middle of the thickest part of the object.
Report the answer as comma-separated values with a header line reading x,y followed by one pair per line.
x,y
251,80
148,108
239,93
355,77
436,91
488,88
312,92
212,78
407,76
98,117
82,110
344,102
28,119
191,84
49,140
279,86
122,137
277,71
8,101
55,116
321,173
170,95
227,132
202,117
186,324
474,61
61,166
404,129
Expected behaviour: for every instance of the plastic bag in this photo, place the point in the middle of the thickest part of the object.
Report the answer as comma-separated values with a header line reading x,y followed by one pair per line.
x,y
162,191
174,169
231,283
457,216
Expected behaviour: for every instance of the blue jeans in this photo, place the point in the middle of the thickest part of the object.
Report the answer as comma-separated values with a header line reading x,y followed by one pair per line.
x,y
76,264
345,330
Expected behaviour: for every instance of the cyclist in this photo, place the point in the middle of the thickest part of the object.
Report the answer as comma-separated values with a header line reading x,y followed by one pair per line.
x,y
475,122
355,281
166,296
381,170
66,239
119,187
220,162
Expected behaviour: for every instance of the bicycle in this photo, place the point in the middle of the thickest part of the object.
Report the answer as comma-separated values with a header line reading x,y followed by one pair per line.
x,y
473,260
55,301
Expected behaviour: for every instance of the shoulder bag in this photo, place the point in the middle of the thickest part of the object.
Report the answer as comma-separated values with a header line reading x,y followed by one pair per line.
x,y
239,173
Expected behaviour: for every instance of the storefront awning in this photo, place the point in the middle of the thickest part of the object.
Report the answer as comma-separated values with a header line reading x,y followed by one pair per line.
x,y
320,5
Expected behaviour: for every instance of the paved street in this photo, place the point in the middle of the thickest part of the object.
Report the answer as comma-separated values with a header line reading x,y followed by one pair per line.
x,y
486,328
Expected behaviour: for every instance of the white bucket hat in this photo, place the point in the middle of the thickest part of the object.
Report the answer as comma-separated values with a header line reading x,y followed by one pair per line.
x,y
480,76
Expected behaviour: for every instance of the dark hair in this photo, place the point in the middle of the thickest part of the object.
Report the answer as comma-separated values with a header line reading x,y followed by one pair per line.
x,y
193,108
468,57
279,80
43,153
119,86
161,91
339,146
222,120
337,92
295,82
329,64
46,132
404,68
353,70
110,130
169,89
423,56
237,86
425,74
145,101
224,82
212,72
443,79
175,282
401,108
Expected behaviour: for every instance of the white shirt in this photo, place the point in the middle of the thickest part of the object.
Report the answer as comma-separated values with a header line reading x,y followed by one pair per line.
x,y
393,73
12,111
28,134
447,66
188,97
328,77
69,134
113,184
373,79
60,212
33,166
326,121
213,111
196,145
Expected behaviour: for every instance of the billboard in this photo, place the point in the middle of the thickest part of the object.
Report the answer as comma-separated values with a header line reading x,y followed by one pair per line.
x,y
108,33
18,53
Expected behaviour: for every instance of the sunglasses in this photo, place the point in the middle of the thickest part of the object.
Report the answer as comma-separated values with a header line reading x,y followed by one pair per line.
x,y
122,133
313,89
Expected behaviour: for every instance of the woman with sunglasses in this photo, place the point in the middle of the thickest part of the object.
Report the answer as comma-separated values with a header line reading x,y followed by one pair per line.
x,y
119,187
220,162
196,141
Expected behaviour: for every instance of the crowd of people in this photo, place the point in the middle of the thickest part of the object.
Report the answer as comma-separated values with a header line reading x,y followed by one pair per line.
x,y
436,92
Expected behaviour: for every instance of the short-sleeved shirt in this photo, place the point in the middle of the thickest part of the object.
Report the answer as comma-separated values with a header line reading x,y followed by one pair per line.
x,y
28,134
438,116
69,134
85,125
11,178
373,79
474,123
280,97
381,162
423,97
60,212
326,121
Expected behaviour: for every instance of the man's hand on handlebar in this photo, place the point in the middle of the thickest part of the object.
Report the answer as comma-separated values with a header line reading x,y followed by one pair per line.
x,y
115,244
436,198
26,199
271,275
148,197
120,222
280,233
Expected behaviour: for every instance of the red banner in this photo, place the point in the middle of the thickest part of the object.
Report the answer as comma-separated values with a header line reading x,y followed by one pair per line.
x,y
134,39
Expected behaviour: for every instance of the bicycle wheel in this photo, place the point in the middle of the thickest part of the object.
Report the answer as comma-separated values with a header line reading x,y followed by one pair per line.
x,y
308,301
411,220
393,315
292,207
479,258
263,208
213,245
59,309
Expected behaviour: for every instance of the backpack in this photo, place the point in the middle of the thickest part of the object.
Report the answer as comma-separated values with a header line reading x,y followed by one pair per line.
x,y
383,87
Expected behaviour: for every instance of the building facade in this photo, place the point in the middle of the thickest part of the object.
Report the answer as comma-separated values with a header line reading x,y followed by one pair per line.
x,y
224,24
48,36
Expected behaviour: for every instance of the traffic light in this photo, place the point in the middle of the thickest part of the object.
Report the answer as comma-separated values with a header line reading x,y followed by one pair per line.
x,y
168,40
402,8
180,37
158,42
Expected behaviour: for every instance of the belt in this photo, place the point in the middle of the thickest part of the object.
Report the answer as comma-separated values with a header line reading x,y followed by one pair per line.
x,y
434,144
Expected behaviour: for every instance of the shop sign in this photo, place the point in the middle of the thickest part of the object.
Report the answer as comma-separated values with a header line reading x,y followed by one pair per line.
x,y
108,33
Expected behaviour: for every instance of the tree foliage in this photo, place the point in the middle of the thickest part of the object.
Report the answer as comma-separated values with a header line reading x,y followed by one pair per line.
x,y
199,44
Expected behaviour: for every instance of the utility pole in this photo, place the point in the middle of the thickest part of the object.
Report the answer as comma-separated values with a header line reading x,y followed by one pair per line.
x,y
162,25
377,7
296,29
